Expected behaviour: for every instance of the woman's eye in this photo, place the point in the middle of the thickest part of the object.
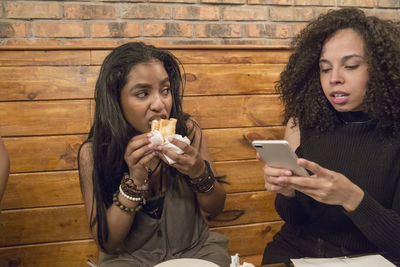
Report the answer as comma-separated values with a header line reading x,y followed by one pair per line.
x,y
352,67
166,91
324,70
141,95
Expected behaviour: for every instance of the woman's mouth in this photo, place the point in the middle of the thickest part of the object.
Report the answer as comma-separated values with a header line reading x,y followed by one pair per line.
x,y
339,98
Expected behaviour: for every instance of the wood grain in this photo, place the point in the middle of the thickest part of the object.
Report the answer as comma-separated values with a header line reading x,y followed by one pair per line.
x,y
42,189
64,223
60,254
235,143
75,116
39,225
56,153
241,175
249,239
45,117
43,153
256,207
218,79
234,111
45,57
215,56
47,82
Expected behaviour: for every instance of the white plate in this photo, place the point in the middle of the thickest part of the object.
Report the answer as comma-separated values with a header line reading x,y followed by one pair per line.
x,y
187,263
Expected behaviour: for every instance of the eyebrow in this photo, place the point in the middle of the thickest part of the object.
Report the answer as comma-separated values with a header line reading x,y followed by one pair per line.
x,y
344,59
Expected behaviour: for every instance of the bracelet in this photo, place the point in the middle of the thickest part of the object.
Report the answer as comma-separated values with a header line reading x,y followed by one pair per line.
x,y
129,197
205,182
123,207
131,190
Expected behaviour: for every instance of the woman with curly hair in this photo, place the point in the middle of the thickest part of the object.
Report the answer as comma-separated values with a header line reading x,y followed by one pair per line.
x,y
341,93
145,202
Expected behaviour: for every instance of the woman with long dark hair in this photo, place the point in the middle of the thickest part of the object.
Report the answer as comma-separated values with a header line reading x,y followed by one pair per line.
x,y
341,93
143,210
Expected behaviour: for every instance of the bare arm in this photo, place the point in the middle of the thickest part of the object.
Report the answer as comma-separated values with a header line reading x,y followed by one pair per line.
x,y
4,168
212,202
119,222
191,163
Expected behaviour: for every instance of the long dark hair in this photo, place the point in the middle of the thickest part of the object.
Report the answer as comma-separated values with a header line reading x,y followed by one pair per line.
x,y
110,132
300,87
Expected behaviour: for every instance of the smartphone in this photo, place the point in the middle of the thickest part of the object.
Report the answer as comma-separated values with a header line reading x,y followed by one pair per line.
x,y
278,154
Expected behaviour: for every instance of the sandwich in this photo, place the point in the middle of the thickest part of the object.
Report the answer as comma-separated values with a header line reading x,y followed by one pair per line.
x,y
165,127
162,129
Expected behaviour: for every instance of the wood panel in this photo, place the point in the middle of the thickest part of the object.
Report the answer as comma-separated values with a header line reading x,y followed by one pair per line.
x,y
51,153
234,144
249,239
47,82
40,225
42,189
46,57
241,176
62,223
234,111
60,254
222,79
257,207
27,190
75,116
77,82
45,117
216,56
43,153
75,253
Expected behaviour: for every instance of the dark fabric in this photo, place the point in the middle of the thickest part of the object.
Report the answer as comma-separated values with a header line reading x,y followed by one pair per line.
x,y
368,159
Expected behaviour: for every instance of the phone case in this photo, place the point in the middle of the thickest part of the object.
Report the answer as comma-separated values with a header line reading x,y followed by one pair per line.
x,y
278,154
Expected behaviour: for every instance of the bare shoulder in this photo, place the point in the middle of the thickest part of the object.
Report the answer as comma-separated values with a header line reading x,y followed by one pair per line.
x,y
85,152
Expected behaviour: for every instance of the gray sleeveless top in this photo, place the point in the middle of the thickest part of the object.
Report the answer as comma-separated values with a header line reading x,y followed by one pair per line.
x,y
181,232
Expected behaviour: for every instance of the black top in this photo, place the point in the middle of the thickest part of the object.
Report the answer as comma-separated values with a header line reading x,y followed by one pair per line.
x,y
371,161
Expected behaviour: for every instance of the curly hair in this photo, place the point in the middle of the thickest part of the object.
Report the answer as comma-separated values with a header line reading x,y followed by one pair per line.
x,y
299,85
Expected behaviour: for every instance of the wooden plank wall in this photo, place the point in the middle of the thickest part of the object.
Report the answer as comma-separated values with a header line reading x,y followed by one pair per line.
x,y
46,106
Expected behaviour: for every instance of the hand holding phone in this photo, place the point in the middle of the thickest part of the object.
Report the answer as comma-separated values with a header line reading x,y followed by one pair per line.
x,y
278,154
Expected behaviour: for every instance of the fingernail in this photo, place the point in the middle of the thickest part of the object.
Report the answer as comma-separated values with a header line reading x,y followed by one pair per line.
x,y
287,173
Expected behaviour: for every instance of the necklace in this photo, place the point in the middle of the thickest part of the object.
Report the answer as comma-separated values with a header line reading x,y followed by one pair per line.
x,y
150,171
149,176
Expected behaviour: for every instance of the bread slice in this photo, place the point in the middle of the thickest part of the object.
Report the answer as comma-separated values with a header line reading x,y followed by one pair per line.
x,y
165,127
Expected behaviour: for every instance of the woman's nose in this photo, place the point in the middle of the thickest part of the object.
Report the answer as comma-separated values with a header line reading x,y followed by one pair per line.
x,y
156,102
336,76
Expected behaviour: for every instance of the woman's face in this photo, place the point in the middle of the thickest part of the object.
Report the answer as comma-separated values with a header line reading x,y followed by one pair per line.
x,y
146,95
344,70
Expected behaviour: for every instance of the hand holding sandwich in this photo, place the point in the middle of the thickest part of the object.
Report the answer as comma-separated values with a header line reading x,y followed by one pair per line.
x,y
176,150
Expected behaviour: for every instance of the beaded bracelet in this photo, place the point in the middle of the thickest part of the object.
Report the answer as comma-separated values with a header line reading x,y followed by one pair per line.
x,y
123,207
129,188
129,197
205,182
